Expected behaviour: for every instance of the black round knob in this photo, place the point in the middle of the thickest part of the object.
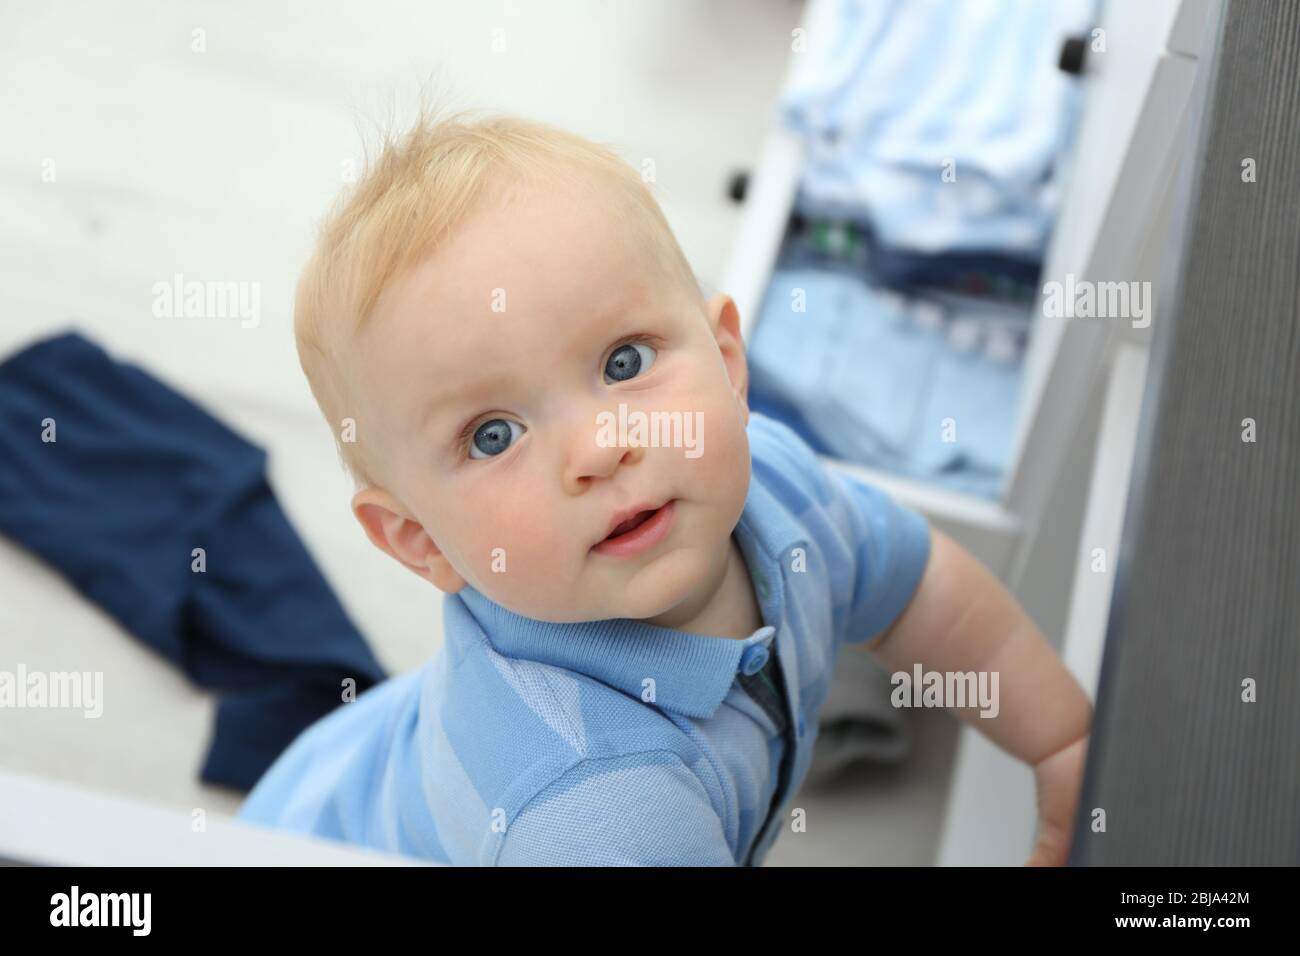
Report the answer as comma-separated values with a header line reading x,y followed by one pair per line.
x,y
1073,52
737,186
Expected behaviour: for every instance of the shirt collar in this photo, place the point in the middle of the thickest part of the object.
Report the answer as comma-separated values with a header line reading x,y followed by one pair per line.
x,y
692,673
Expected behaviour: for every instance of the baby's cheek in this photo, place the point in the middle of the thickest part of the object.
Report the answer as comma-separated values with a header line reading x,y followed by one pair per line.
x,y
721,447
722,470
516,534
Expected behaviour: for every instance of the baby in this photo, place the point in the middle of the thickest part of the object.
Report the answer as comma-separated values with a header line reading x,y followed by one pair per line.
x,y
639,634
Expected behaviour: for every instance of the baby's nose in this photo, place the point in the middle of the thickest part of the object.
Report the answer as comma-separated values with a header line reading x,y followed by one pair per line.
x,y
597,451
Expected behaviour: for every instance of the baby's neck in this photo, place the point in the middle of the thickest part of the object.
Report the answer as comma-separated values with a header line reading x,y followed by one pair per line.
x,y
726,605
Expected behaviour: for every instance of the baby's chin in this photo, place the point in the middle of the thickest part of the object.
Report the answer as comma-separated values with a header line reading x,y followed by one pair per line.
x,y
656,587
649,590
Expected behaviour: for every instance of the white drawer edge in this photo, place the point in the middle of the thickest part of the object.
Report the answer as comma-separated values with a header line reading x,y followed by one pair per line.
x,y
55,823
768,202
935,501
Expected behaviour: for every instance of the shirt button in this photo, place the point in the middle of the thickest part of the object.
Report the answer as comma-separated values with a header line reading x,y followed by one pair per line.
x,y
752,661
801,726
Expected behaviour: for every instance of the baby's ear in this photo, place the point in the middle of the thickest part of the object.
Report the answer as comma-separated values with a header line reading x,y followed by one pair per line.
x,y
403,538
724,319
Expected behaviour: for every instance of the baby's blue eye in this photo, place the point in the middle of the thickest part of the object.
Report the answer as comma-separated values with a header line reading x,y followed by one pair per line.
x,y
627,361
493,437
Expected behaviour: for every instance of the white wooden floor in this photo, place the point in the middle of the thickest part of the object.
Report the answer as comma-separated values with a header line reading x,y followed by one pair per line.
x,y
215,164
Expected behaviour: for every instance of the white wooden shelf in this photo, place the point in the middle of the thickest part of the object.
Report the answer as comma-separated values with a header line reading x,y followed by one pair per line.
x,y
1112,227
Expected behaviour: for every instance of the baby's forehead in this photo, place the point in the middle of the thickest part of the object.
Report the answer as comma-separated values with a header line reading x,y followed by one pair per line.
x,y
551,320
469,294
534,268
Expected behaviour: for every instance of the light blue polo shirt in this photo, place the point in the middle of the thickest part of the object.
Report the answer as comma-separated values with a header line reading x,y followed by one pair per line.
x,y
616,742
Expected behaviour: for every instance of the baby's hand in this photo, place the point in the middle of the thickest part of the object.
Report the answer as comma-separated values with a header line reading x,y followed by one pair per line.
x,y
1058,779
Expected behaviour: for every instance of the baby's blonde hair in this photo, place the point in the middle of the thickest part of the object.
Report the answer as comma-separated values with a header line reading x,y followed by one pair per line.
x,y
403,208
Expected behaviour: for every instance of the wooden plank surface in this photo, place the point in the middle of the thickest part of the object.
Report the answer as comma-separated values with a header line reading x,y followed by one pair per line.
x,y
1208,584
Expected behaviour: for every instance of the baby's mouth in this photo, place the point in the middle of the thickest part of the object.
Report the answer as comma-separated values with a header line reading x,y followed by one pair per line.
x,y
633,522
637,533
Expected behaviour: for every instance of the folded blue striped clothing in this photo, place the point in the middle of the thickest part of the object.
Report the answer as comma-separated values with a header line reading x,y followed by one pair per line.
x,y
942,123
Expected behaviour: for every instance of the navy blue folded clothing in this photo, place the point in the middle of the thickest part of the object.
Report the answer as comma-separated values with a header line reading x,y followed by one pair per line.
x,y
855,248
116,480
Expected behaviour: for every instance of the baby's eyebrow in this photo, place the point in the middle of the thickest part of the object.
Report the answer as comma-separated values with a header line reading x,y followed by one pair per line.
x,y
447,399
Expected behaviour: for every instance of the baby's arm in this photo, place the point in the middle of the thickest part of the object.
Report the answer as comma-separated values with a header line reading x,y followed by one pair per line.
x,y
962,619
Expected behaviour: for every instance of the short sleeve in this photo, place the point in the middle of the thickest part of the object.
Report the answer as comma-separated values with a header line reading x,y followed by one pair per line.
x,y
891,547
644,809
